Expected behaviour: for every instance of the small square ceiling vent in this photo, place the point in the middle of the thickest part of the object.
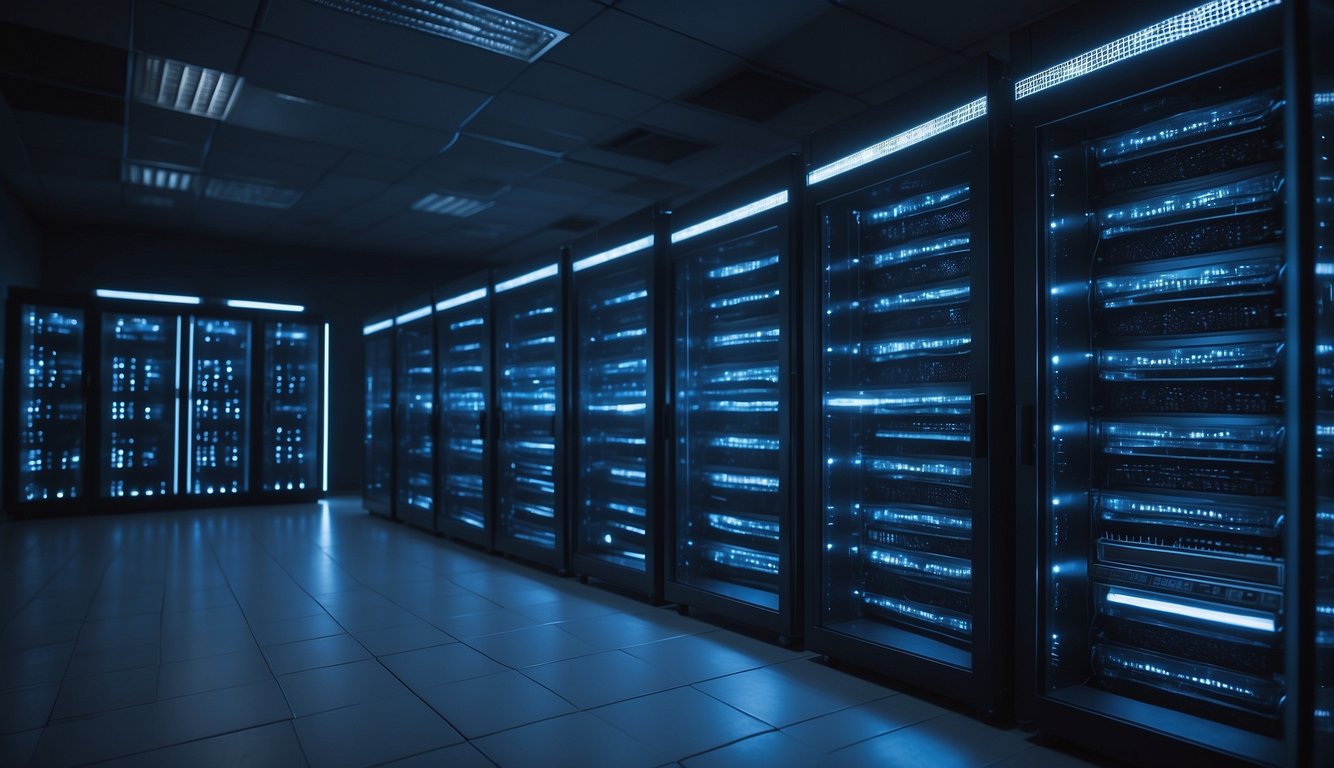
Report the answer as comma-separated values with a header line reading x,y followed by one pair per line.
x,y
459,20
752,95
652,146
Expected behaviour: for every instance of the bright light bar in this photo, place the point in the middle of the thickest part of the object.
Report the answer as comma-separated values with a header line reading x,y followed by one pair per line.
x,y
449,205
415,314
1199,19
190,412
166,298
182,87
722,220
176,419
248,304
460,300
251,193
462,21
161,176
324,416
1191,611
615,253
952,119
549,270
376,327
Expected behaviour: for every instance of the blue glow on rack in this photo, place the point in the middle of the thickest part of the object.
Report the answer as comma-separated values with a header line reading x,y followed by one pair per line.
x,y
550,270
1165,440
1123,291
1199,19
189,413
744,337
937,566
468,323
746,443
937,247
166,298
959,403
739,481
324,415
633,246
415,314
625,298
742,406
768,373
765,529
377,327
732,301
1193,512
617,408
1189,125
1263,624
741,558
915,135
1212,362
918,204
269,305
461,299
890,350
471,346
766,203
932,521
628,333
936,617
742,267
629,474
949,294
1240,193
923,468
900,434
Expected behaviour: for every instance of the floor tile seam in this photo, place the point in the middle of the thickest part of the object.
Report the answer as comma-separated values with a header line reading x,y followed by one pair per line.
x,y
738,709
65,672
418,696
769,729
101,760
895,729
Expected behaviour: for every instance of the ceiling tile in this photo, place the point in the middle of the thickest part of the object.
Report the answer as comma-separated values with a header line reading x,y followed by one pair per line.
x,y
581,91
49,163
142,146
164,30
710,127
822,110
374,167
538,123
102,21
944,24
230,166
238,12
268,146
85,137
490,160
741,28
167,124
585,175
332,194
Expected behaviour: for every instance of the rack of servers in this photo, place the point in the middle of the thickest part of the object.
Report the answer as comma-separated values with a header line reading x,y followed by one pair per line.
x,y
731,527
414,415
615,315
463,448
910,529
378,487
183,402
528,311
1171,426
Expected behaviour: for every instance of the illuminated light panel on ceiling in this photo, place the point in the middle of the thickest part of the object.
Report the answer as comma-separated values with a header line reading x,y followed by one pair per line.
x,y
251,193
450,205
187,88
161,176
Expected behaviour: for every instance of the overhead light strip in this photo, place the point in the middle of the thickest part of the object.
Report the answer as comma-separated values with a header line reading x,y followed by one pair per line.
x,y
1199,19
166,298
461,299
415,314
251,193
735,215
1244,621
270,305
161,176
916,135
377,327
530,277
451,205
633,246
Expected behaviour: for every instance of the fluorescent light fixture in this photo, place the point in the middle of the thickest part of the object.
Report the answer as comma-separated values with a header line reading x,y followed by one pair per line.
x,y
1199,19
248,304
1264,624
324,416
460,300
459,20
530,277
633,246
952,119
161,176
415,314
166,298
376,327
450,205
251,193
737,214
187,88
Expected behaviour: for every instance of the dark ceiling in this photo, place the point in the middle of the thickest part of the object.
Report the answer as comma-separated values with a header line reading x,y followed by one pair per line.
x,y
356,120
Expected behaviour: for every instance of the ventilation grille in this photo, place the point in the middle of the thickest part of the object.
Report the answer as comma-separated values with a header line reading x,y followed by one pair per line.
x,y
752,95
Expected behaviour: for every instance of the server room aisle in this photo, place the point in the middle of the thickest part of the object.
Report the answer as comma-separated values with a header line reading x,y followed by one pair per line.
x,y
316,634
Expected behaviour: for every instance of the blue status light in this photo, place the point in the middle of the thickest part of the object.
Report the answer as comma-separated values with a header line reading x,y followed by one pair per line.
x,y
918,204
1226,279
1230,618
921,250
1128,218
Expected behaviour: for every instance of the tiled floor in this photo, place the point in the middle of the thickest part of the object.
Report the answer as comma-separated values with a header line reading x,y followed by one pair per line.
x,y
317,634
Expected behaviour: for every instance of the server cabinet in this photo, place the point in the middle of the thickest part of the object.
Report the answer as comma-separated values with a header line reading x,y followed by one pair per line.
x,y
138,402
414,416
616,517
292,455
732,528
378,488
463,359
45,396
1320,27
218,421
1169,402
528,308
910,531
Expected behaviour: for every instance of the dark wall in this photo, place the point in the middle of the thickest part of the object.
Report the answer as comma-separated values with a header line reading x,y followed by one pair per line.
x,y
344,287
20,261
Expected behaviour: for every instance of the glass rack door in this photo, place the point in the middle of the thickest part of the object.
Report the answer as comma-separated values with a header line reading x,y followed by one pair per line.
x,y
141,411
219,412
379,421
292,379
50,403
464,349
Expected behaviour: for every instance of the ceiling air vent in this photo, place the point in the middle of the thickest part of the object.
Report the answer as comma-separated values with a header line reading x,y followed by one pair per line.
x,y
460,20
652,146
752,95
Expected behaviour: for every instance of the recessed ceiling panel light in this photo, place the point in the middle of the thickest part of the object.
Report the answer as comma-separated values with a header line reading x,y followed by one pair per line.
x,y
460,20
251,193
161,176
182,87
450,205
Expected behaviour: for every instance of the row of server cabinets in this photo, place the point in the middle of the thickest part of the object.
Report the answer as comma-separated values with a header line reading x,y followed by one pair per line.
x,y
159,401
1046,362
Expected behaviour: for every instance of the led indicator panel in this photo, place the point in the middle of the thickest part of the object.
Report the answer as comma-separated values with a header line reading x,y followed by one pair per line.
x,y
139,405
464,346
291,432
50,403
219,424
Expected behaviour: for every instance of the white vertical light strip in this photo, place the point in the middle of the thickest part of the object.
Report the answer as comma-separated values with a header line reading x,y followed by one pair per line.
x,y
176,421
734,215
612,254
190,412
915,135
1199,19
324,416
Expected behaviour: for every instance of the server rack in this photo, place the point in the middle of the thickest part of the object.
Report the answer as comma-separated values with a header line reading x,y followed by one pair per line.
x,y
46,403
294,392
1164,173
378,486
909,535
463,361
528,310
616,518
414,415
219,380
732,528
1320,27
